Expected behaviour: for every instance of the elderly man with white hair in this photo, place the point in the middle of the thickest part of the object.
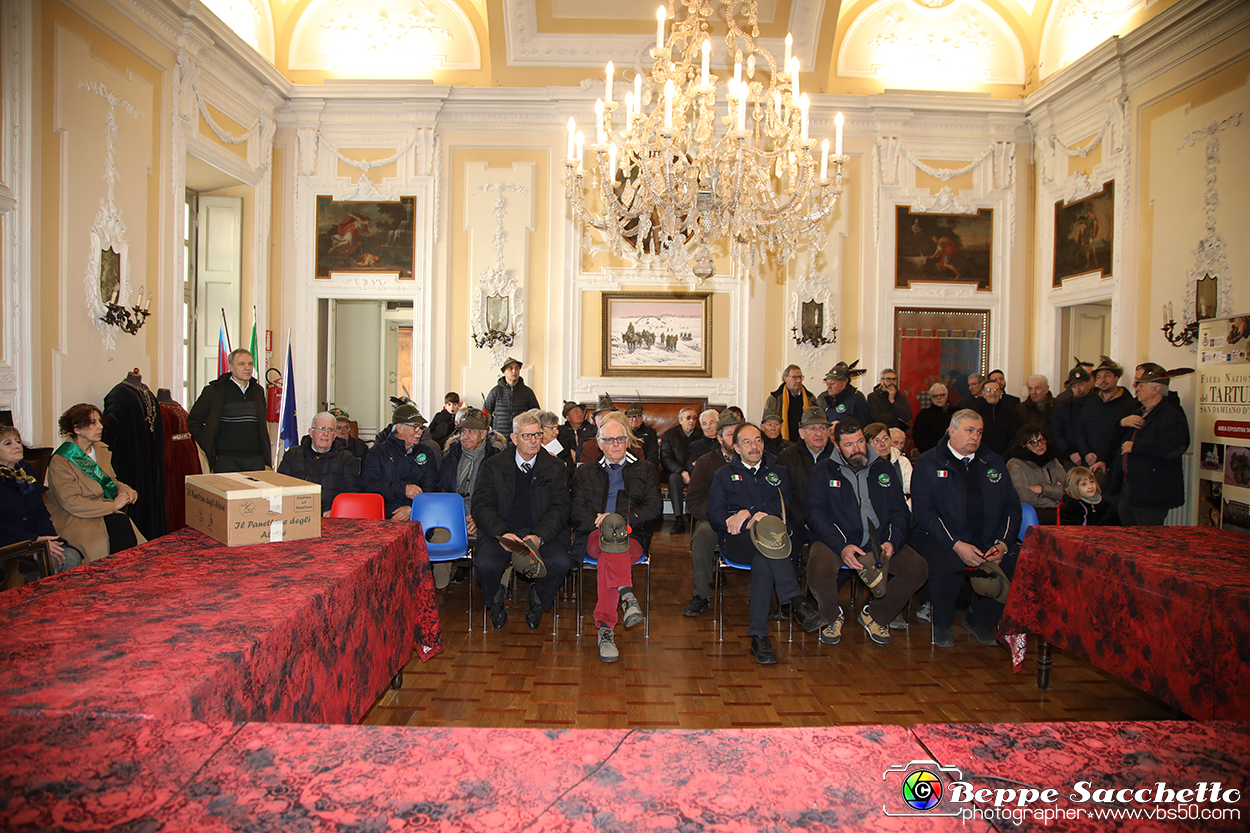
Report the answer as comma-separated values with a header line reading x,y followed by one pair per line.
x,y
1039,407
322,458
932,421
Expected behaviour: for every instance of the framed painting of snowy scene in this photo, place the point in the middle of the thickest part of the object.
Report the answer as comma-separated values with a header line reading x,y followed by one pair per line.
x,y
657,334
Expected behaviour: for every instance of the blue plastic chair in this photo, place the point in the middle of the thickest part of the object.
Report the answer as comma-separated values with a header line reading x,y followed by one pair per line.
x,y
722,564
444,510
593,563
1028,518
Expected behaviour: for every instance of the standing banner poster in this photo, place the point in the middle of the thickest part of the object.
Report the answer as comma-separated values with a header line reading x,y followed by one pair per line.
x,y
1224,423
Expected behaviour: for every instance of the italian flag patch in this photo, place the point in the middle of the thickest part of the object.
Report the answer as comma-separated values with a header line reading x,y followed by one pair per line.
x,y
943,473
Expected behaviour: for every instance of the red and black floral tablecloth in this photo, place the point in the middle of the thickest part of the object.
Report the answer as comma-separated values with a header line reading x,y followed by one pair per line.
x,y
183,628
1165,608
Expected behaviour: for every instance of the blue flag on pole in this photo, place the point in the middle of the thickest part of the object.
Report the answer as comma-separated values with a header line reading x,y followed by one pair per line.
x,y
288,425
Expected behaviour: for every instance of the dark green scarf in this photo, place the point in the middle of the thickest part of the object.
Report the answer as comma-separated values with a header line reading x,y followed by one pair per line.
x,y
71,451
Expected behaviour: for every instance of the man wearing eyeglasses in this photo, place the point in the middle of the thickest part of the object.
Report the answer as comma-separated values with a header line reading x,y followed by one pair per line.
x,y
322,458
790,400
522,497
397,466
931,422
887,403
622,484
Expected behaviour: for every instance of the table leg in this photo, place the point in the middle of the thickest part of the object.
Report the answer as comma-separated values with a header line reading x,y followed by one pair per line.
x,y
1043,666
397,682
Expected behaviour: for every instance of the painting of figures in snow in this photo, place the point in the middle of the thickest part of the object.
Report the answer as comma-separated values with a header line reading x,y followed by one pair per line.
x,y
657,334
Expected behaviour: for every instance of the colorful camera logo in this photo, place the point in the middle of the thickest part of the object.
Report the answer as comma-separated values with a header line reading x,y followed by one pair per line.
x,y
917,789
922,790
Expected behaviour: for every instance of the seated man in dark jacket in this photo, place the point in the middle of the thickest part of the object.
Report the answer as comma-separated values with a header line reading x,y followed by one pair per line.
x,y
966,512
616,483
522,495
397,467
322,458
343,429
467,449
847,491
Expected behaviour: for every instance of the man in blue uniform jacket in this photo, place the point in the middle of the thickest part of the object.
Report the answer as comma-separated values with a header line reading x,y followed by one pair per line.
x,y
745,491
966,512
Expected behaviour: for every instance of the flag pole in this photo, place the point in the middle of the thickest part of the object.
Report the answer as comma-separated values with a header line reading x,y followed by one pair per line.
x,y
286,391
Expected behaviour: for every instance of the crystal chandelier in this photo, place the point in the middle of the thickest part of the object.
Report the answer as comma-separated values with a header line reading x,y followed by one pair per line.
x,y
690,165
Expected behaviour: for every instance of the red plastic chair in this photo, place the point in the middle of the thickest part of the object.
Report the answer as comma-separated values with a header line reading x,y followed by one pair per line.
x,y
358,505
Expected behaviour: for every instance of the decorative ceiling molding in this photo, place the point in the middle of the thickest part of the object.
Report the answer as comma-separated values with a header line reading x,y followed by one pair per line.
x,y
384,38
251,20
1074,27
528,47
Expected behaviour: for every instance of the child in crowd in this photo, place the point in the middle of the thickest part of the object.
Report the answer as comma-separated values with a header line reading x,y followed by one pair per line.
x,y
1083,504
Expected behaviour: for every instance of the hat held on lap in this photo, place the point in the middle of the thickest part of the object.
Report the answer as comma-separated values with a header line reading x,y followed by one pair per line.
x,y
770,537
989,580
613,533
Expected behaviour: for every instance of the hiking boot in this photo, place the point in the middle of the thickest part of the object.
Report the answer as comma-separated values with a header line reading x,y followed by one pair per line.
x,y
876,632
899,623
831,634
925,613
762,650
631,613
607,646
944,637
696,606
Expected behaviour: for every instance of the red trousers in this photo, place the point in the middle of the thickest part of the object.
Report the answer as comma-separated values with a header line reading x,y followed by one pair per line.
x,y
614,571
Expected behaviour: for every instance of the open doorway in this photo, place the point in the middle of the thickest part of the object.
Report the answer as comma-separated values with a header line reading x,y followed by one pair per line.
x,y
366,358
1085,333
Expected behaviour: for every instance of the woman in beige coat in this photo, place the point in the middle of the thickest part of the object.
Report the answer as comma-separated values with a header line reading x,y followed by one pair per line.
x,y
85,500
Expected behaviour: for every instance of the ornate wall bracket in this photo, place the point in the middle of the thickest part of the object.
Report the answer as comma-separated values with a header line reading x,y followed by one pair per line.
x,y
497,314
812,313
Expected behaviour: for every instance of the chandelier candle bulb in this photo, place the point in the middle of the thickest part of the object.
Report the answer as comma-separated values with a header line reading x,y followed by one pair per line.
x,y
660,15
824,159
707,56
838,120
572,135
668,104
607,86
598,121
789,48
777,103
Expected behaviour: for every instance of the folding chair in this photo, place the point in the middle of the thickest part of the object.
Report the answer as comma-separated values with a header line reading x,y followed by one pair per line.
x,y
723,563
444,510
358,505
593,563
14,554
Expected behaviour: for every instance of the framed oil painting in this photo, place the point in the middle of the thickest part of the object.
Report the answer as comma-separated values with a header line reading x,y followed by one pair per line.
x,y
366,237
939,345
943,248
1084,235
657,334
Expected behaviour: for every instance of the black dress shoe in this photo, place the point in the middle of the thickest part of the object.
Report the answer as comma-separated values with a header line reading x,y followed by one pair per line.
x,y
762,650
807,617
679,525
696,606
534,613
498,610
460,576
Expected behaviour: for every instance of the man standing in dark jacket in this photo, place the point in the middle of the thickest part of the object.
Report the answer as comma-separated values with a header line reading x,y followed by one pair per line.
x,y
1068,406
1039,407
616,483
522,495
397,467
840,400
1099,430
744,493
999,416
675,457
323,459
847,493
790,400
509,397
887,405
966,511
1150,480
228,421
932,421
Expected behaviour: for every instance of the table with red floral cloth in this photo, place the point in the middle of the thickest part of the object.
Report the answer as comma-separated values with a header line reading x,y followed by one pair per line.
x,y
1164,608
1118,756
93,773
184,628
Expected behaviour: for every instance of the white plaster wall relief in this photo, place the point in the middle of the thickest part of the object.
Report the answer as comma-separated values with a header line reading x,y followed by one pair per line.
x,y
813,311
384,38
944,45
1074,27
108,233
497,307
1210,260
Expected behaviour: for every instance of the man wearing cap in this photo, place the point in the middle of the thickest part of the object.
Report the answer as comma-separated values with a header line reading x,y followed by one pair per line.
x,y
1098,430
1149,478
648,441
966,512
576,430
840,400
703,534
522,495
343,430
745,493
790,400
1039,407
774,443
398,467
931,422
887,404
799,460
323,459
675,457
1068,406
1001,378
471,446
590,451
623,488
858,518
509,397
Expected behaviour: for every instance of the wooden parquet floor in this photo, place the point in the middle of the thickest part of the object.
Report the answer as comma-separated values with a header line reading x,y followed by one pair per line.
x,y
683,677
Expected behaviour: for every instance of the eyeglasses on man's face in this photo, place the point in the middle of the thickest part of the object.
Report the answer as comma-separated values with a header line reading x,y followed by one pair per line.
x,y
614,440
531,437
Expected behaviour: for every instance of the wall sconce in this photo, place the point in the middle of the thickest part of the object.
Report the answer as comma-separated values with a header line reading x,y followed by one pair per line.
x,y
1185,337
493,338
127,319
815,339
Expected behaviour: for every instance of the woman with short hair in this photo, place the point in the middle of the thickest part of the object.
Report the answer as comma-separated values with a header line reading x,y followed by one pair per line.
x,y
85,500
1037,473
23,515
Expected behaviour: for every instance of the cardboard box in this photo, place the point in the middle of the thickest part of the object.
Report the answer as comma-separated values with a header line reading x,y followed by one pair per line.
x,y
253,507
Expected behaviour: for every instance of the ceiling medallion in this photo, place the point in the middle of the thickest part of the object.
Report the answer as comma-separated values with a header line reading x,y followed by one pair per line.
x,y
670,181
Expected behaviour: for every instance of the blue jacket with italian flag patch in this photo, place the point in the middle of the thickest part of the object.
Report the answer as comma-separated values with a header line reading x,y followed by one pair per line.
x,y
832,504
735,488
939,498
